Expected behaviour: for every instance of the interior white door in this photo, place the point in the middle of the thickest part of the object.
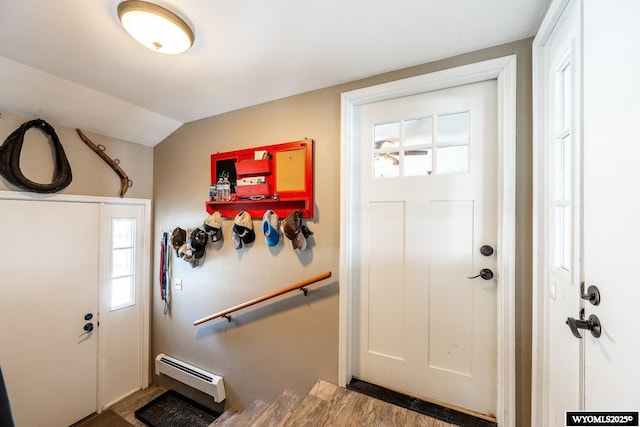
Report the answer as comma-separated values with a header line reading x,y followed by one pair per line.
x,y
49,265
589,221
122,278
611,208
427,205
561,196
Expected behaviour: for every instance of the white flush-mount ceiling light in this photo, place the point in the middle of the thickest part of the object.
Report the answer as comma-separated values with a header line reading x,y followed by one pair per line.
x,y
155,27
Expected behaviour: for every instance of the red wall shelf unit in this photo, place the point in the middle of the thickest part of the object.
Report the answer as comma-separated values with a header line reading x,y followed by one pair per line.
x,y
278,177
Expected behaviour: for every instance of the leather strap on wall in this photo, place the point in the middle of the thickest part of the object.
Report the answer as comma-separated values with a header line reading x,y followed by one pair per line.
x,y
10,160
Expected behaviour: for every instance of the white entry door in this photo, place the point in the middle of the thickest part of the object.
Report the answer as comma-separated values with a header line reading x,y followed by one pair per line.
x,y
428,222
611,205
587,217
49,289
68,263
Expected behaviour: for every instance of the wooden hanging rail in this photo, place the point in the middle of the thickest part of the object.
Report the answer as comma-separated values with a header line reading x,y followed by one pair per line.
x,y
299,285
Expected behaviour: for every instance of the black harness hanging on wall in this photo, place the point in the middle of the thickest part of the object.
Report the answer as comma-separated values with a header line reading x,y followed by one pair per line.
x,y
10,160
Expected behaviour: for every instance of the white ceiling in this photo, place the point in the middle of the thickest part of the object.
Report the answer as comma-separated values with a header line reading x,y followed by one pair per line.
x,y
70,61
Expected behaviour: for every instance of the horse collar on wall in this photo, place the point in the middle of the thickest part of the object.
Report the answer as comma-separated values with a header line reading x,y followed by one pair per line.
x,y
10,160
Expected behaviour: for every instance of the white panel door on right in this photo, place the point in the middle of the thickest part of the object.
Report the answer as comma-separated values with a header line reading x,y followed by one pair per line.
x,y
611,205
590,212
427,207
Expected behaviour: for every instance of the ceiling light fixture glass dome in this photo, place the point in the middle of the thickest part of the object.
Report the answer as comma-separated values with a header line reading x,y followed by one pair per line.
x,y
155,27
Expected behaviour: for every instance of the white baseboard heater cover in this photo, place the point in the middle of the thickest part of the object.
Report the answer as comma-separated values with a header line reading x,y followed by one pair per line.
x,y
192,376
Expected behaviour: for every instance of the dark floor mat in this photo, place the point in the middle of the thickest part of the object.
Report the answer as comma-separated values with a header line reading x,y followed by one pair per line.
x,y
432,410
171,409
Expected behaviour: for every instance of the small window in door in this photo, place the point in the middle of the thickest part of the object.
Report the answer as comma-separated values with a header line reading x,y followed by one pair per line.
x,y
123,232
437,144
562,223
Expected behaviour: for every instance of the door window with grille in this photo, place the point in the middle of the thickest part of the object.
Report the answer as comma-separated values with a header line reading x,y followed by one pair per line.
x,y
123,232
437,144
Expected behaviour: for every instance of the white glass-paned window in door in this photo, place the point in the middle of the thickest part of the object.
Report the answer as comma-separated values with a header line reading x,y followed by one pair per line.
x,y
436,144
418,146
563,170
123,232
386,154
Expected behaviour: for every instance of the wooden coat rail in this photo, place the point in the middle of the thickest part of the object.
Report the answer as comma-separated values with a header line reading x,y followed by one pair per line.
x,y
299,285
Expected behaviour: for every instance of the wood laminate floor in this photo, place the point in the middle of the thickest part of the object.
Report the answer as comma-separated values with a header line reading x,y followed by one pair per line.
x,y
325,405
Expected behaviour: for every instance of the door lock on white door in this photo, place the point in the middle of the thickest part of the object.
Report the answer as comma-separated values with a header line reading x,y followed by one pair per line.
x,y
88,327
486,250
485,273
591,324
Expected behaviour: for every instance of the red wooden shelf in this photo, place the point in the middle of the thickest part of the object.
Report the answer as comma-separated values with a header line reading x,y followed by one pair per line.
x,y
287,171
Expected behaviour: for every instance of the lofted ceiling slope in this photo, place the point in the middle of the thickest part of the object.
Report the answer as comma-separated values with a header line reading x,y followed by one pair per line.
x,y
71,62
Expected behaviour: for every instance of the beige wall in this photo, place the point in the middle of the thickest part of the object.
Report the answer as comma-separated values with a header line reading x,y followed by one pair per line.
x,y
292,341
91,175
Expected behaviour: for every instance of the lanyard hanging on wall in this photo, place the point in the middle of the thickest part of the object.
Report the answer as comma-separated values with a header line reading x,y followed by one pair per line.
x,y
164,271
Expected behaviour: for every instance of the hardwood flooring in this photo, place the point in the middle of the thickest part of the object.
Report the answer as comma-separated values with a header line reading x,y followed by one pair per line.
x,y
325,405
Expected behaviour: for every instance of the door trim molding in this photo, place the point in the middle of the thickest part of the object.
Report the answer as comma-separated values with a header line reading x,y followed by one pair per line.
x,y
146,273
504,71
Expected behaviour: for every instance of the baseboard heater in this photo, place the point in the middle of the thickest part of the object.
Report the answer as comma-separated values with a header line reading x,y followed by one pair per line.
x,y
192,376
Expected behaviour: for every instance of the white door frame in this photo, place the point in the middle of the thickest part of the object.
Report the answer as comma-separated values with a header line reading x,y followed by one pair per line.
x,y
504,70
146,273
